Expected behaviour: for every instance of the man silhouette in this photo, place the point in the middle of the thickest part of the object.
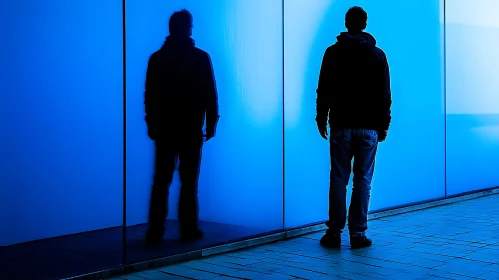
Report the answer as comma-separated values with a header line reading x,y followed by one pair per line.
x,y
180,93
354,91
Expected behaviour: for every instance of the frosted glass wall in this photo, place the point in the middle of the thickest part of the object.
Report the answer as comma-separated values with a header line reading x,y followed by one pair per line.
x,y
61,105
241,171
472,100
410,164
61,112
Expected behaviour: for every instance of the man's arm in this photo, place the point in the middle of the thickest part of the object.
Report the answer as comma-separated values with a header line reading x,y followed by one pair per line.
x,y
323,93
386,98
385,102
212,114
150,97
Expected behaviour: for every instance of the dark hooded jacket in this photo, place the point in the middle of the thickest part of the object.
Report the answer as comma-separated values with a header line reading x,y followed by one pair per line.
x,y
180,91
354,85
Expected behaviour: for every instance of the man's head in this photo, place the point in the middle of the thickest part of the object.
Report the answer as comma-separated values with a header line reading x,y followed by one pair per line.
x,y
181,24
356,20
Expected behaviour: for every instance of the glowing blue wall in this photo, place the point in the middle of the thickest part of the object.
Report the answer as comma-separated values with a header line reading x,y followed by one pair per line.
x,y
61,88
241,172
61,109
410,164
472,99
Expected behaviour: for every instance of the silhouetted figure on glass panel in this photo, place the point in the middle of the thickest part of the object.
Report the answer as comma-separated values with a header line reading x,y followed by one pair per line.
x,y
354,91
180,94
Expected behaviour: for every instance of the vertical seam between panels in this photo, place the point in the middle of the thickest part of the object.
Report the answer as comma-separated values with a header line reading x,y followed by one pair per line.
x,y
445,98
123,18
283,128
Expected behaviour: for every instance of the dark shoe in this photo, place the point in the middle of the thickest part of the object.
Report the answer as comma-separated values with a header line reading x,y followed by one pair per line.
x,y
331,240
154,237
361,241
191,235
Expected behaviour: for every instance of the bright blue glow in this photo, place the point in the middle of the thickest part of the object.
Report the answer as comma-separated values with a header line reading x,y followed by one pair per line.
x,y
472,102
410,165
61,109
241,172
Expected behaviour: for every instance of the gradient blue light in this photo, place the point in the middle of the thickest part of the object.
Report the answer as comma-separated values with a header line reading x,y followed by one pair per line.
x,y
62,125
410,165
62,116
472,101
241,171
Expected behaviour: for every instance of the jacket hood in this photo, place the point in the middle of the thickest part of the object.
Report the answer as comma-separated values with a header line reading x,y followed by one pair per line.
x,y
179,42
362,39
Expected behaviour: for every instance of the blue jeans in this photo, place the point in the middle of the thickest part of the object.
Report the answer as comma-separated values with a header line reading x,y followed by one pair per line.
x,y
345,144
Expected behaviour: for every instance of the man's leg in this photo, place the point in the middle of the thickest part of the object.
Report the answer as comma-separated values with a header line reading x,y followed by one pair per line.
x,y
190,161
341,161
165,161
365,147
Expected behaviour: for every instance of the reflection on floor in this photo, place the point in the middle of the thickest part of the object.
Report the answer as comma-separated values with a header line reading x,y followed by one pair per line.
x,y
214,233
456,241
78,254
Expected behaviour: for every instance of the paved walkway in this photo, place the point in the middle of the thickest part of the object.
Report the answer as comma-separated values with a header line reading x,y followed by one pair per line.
x,y
457,241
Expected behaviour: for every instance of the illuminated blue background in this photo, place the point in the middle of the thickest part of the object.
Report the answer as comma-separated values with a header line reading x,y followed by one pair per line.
x,y
61,109
241,172
410,165
61,88
472,99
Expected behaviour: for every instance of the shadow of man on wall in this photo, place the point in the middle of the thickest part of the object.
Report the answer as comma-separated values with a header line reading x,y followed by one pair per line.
x,y
180,98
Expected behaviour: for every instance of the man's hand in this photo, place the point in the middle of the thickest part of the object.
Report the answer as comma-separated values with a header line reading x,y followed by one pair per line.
x,y
382,135
322,130
209,134
152,132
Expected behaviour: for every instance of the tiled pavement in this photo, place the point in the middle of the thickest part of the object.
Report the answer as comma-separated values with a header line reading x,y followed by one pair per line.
x,y
457,241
